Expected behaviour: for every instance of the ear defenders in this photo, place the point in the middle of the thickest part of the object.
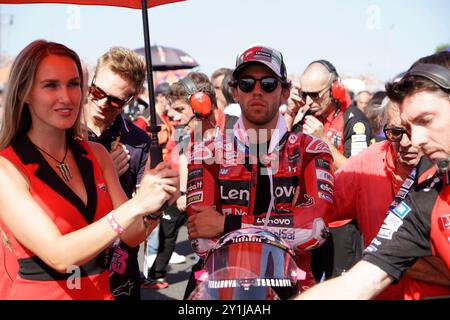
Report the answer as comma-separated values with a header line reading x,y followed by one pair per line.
x,y
433,72
338,91
200,101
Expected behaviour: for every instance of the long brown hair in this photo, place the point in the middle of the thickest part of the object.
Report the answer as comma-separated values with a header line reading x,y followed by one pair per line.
x,y
17,117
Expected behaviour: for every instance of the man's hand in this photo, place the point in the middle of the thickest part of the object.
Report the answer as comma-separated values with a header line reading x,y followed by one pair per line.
x,y
120,157
205,223
181,203
314,127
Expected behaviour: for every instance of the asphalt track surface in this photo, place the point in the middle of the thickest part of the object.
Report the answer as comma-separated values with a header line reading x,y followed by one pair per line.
x,y
177,274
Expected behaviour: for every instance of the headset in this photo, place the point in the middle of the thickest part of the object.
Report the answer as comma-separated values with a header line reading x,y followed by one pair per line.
x,y
438,74
338,91
200,101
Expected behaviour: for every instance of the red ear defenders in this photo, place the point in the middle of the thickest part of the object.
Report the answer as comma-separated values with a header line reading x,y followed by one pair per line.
x,y
338,91
200,101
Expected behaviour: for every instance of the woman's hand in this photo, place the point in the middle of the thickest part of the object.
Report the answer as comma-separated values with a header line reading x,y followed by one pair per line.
x,y
158,185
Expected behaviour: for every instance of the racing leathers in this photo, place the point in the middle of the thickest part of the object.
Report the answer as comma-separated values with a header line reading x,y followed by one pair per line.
x,y
417,224
224,174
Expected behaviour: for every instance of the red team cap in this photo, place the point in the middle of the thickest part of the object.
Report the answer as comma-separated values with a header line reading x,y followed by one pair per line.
x,y
272,58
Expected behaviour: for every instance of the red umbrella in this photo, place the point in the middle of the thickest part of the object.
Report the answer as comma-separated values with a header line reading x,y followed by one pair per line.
x,y
155,149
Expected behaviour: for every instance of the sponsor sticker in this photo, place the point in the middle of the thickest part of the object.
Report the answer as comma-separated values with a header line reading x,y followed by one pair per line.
x,y
235,192
195,173
325,176
193,186
401,210
326,197
402,193
376,242
385,233
285,234
324,164
445,221
359,145
359,138
293,138
325,187
371,248
275,221
317,146
408,183
359,128
194,198
390,225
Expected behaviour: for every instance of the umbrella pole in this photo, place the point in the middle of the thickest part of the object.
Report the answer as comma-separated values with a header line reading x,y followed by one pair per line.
x,y
155,148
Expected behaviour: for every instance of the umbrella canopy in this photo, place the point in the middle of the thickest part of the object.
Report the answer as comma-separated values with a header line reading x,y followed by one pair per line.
x,y
135,4
166,58
155,148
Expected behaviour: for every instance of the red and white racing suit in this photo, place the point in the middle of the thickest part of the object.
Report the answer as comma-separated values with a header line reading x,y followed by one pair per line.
x,y
223,173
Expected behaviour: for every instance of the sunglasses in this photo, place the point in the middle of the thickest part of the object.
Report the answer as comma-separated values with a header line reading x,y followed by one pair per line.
x,y
113,102
312,95
394,134
268,84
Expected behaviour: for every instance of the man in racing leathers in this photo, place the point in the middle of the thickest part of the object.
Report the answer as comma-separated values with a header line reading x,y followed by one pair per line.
x,y
260,174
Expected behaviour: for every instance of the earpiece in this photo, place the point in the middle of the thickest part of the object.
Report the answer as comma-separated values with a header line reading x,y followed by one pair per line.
x,y
200,101
338,90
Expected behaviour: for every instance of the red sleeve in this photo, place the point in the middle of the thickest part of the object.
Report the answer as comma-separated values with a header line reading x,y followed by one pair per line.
x,y
202,190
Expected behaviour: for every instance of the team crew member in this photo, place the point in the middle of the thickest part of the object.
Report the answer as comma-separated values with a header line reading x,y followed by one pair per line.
x,y
417,224
118,79
64,204
261,175
345,128
365,186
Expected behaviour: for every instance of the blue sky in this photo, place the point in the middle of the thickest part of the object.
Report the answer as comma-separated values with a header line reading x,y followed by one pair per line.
x,y
358,36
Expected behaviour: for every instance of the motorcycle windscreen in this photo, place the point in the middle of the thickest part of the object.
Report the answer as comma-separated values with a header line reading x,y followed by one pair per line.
x,y
248,271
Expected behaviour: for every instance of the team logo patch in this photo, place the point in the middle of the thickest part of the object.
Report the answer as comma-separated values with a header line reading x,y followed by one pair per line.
x,y
408,183
390,225
401,210
195,173
194,198
402,193
306,202
317,146
326,197
324,164
293,138
445,221
325,176
325,187
359,128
